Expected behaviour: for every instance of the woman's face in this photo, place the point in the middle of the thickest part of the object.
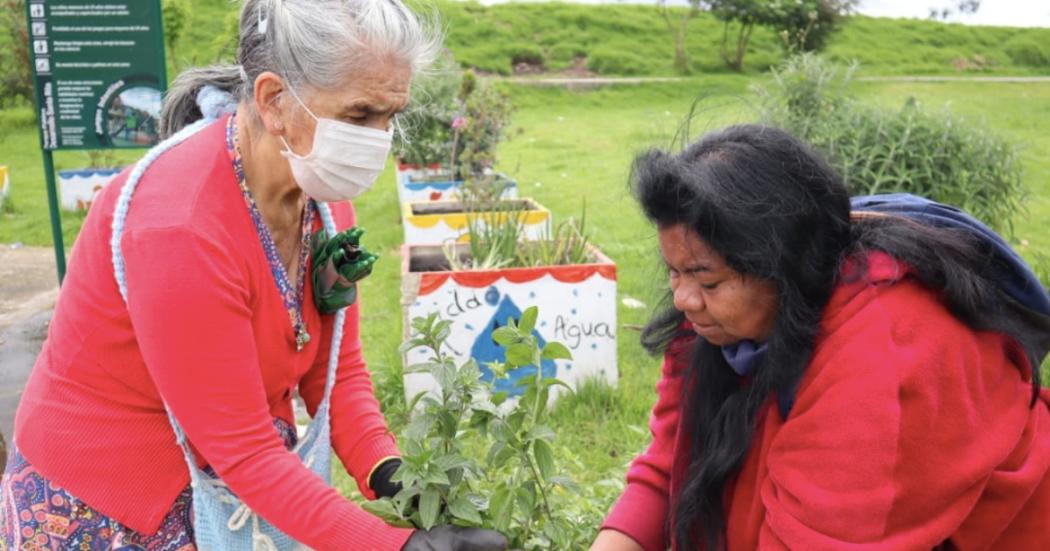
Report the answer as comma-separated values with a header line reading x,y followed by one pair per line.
x,y
722,305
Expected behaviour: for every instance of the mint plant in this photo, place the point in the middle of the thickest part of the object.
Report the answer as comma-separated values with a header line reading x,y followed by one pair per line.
x,y
515,490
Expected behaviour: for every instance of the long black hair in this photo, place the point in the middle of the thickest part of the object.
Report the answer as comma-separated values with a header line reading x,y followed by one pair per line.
x,y
777,211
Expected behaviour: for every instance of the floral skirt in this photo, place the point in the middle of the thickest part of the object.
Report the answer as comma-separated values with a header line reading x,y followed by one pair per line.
x,y
37,515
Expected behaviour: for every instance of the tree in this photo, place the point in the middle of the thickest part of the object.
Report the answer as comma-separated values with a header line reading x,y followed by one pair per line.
x,y
677,24
961,7
16,79
802,24
175,13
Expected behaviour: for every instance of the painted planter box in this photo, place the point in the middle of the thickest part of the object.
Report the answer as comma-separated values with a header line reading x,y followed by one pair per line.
x,y
78,188
435,222
415,184
577,307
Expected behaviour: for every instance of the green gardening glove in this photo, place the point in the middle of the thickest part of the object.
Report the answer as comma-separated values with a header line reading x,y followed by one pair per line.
x,y
338,263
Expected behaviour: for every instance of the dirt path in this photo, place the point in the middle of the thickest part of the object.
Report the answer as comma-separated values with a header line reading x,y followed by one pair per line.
x,y
28,290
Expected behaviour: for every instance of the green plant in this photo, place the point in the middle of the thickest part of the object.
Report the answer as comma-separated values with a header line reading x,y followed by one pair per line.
x,y
426,126
519,474
484,124
175,14
436,472
935,155
567,245
1028,51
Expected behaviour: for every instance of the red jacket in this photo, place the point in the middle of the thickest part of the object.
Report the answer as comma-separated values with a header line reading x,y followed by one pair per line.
x,y
205,329
908,429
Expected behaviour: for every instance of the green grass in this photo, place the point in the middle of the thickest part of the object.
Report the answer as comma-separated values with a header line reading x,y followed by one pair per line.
x,y
633,40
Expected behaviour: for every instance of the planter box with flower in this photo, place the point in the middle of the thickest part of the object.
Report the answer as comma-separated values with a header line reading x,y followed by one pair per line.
x,y
481,284
449,137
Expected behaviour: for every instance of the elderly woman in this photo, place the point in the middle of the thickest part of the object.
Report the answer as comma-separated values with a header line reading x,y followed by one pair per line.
x,y
192,312
832,379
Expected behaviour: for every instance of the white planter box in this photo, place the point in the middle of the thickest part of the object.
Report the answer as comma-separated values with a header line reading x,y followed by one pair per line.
x,y
414,186
78,188
435,222
577,307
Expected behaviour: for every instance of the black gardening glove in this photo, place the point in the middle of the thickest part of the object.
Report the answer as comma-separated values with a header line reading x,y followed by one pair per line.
x,y
455,538
380,480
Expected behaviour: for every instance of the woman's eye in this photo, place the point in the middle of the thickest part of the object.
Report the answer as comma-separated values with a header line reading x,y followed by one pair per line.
x,y
708,286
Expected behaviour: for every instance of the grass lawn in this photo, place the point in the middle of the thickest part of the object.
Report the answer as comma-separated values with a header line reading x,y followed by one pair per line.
x,y
576,147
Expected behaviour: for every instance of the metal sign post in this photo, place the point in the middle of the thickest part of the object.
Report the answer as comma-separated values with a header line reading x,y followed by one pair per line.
x,y
98,69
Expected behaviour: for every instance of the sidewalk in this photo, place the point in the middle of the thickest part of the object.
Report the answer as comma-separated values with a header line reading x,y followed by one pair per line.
x,y
28,290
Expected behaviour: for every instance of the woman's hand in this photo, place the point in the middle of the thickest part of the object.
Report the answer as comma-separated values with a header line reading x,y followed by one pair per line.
x,y
611,540
455,538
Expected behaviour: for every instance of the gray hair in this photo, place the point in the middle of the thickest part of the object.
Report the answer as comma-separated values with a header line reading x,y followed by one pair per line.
x,y
311,44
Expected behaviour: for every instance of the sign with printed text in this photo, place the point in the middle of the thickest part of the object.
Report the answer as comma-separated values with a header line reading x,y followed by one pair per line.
x,y
98,67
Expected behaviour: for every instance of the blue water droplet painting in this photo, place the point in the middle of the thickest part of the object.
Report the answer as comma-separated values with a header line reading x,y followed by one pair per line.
x,y
486,350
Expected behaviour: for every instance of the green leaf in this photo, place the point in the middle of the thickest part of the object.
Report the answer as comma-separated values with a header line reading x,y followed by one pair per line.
x,y
429,507
544,458
540,432
385,510
519,354
556,351
504,336
528,320
502,508
465,510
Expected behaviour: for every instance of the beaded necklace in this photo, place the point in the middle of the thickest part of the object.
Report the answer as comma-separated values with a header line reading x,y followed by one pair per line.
x,y
292,295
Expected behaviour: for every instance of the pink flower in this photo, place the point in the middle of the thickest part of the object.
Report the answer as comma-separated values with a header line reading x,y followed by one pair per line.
x,y
459,122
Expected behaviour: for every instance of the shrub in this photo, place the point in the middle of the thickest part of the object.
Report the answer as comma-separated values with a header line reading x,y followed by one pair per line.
x,y
615,62
935,155
525,53
1027,51
427,123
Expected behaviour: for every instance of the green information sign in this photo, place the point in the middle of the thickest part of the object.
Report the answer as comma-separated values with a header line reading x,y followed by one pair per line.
x,y
99,71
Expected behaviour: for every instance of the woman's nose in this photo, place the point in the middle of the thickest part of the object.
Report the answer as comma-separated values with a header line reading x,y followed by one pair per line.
x,y
687,298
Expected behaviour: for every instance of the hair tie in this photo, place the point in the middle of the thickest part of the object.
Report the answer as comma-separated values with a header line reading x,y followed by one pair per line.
x,y
214,102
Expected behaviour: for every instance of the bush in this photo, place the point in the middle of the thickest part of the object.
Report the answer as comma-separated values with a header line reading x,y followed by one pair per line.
x,y
616,62
1027,51
935,155
525,53
16,80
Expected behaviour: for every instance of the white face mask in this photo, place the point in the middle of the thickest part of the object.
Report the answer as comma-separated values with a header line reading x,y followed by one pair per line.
x,y
345,160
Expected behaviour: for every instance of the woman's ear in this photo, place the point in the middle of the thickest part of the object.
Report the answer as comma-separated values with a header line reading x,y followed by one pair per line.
x,y
268,90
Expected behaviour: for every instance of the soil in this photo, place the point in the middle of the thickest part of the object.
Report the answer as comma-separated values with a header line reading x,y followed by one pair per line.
x,y
456,207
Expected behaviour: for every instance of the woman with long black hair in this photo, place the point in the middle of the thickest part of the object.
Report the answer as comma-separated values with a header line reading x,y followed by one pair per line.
x,y
836,376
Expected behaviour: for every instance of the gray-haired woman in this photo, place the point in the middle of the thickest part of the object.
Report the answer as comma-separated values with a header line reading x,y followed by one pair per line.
x,y
193,310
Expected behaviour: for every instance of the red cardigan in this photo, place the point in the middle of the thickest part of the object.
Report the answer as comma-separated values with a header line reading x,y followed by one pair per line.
x,y
908,429
206,329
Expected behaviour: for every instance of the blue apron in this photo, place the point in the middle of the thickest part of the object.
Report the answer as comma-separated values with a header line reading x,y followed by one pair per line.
x,y
221,521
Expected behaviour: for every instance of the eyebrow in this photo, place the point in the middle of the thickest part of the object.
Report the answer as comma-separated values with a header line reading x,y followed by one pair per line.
x,y
365,107
690,268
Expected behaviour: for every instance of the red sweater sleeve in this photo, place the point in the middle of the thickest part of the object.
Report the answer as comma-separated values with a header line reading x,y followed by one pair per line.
x,y
193,325
359,431
891,442
643,509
